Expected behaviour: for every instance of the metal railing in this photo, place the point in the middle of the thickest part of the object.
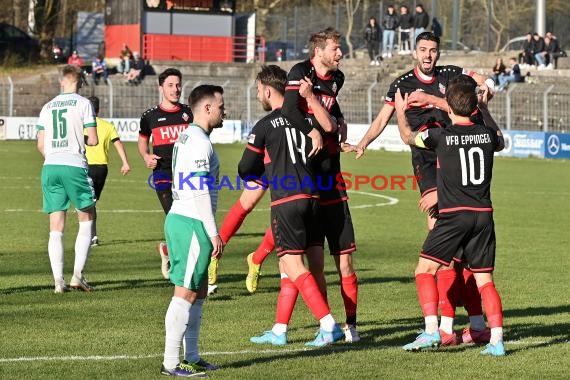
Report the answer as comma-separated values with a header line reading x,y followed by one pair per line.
x,y
530,107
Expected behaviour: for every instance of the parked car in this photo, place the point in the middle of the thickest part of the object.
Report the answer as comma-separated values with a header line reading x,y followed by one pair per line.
x,y
280,51
514,44
15,42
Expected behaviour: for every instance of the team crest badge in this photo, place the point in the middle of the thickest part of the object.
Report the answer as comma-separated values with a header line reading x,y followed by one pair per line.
x,y
185,116
334,88
442,88
251,138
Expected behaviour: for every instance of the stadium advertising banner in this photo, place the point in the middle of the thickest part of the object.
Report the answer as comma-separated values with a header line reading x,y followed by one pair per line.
x,y
389,140
523,144
557,145
24,128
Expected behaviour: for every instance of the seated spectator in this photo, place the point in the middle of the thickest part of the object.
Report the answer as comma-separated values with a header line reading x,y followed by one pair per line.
x,y
526,56
135,74
552,50
498,69
125,60
75,59
539,50
513,75
99,69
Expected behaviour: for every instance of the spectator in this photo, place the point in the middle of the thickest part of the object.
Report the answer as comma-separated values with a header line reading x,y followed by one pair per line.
x,y
421,21
135,74
99,69
498,69
372,38
406,26
436,27
125,60
553,50
390,23
75,59
512,76
539,51
525,56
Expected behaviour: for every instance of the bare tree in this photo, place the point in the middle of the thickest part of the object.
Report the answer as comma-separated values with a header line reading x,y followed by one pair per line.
x,y
351,8
46,14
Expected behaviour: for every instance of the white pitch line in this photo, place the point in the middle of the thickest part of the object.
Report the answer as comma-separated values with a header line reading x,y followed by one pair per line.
x,y
390,202
212,353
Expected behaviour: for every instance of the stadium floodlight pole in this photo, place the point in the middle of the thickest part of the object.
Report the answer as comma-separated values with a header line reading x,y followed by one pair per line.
x,y
10,96
369,98
545,108
111,90
248,100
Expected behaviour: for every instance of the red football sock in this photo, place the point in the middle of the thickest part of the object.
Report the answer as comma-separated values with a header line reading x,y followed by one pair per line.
x,y
286,301
267,245
470,294
312,295
349,292
493,306
427,293
447,291
232,222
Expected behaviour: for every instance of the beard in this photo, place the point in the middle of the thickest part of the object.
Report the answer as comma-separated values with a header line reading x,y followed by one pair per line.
x,y
265,104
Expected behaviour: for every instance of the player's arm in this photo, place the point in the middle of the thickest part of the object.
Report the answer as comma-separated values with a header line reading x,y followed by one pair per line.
x,y
143,145
202,198
251,166
40,145
408,136
125,167
375,128
423,99
92,137
292,112
327,122
490,122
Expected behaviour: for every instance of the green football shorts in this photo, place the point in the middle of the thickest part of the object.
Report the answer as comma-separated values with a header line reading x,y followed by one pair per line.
x,y
189,250
62,184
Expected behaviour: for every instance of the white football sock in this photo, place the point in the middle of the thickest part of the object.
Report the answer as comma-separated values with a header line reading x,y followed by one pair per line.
x,y
446,324
279,328
82,244
175,323
431,324
477,322
55,253
191,354
496,335
327,323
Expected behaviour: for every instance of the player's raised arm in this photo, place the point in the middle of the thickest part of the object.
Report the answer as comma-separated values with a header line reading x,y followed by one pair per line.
x,y
375,128
401,103
489,121
292,112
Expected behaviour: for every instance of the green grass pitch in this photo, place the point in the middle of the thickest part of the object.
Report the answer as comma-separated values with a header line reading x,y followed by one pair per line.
x,y
116,332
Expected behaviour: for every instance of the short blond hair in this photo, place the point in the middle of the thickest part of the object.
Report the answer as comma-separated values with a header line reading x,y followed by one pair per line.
x,y
319,39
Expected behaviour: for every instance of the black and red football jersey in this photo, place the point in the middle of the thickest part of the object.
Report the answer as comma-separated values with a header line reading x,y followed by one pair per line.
x,y
465,165
413,80
284,150
164,126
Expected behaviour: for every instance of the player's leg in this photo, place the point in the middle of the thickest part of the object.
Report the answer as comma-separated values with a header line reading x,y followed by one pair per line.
x,y
438,250
247,201
256,259
80,190
447,288
339,232
293,225
55,202
190,252
477,332
480,254
165,198
98,175
191,336
286,300
428,297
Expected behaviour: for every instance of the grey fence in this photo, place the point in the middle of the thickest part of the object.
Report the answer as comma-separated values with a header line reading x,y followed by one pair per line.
x,y
524,106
